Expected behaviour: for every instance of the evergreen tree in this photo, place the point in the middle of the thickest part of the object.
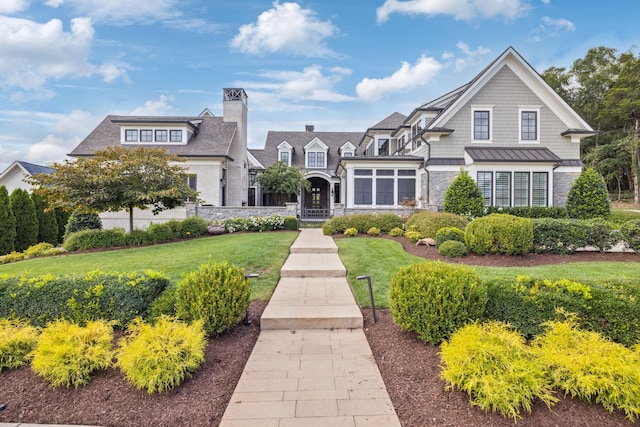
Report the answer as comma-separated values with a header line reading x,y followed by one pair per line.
x,y
47,223
588,197
7,224
464,197
26,220
62,217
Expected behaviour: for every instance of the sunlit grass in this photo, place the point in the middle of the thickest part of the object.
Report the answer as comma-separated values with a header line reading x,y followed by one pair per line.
x,y
382,258
262,253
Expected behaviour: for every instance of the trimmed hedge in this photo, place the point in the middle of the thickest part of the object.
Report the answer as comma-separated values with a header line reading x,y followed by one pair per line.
x,y
362,222
449,233
558,236
428,223
630,234
453,249
530,211
499,234
611,309
253,223
80,299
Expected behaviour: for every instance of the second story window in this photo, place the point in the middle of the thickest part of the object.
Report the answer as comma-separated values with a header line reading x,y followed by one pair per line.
x,y
529,125
175,136
161,136
284,157
481,122
383,147
146,135
131,135
315,159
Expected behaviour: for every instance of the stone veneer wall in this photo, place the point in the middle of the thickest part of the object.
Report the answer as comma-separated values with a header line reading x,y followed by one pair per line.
x,y
211,213
439,181
562,182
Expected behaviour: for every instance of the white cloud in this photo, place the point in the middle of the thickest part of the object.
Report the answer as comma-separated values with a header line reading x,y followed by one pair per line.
x,y
311,84
549,28
460,9
40,52
51,148
122,12
286,28
406,77
470,57
13,6
157,107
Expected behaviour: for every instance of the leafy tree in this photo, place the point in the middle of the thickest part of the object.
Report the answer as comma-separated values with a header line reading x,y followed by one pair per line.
x,y
282,181
7,224
26,220
588,197
464,197
115,179
47,222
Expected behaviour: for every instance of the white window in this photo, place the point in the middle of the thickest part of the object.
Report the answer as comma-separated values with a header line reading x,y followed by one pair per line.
x,y
315,159
482,123
519,188
285,151
529,125
146,135
175,136
284,157
161,135
131,135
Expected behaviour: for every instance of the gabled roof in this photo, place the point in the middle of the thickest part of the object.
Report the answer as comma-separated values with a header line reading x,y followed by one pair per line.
x,y
333,140
212,136
25,168
391,122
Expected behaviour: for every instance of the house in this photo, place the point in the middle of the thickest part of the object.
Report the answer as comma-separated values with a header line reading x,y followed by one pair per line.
x,y
318,155
507,127
214,150
13,176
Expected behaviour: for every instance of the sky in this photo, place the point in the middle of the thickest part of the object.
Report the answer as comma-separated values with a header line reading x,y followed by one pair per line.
x,y
340,65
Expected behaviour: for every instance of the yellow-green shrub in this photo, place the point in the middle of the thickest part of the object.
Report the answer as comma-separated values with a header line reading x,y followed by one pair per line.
x,y
373,231
428,223
17,340
37,250
434,299
67,354
453,249
413,235
492,363
12,257
588,366
499,234
217,294
157,358
395,232
351,232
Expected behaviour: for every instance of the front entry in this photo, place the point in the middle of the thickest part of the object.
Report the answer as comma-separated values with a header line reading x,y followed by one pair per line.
x,y
315,202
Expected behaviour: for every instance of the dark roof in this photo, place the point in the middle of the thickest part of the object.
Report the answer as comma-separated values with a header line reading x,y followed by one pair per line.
x,y
298,139
35,169
447,162
211,139
503,154
391,122
574,162
383,159
578,132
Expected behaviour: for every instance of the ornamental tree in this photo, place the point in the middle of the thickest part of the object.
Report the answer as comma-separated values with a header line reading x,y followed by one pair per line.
x,y
588,197
282,181
24,212
464,197
7,224
116,179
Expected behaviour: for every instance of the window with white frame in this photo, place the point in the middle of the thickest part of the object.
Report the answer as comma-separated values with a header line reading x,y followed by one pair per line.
x,y
383,146
284,157
503,188
540,189
529,125
363,186
485,182
175,135
384,187
161,135
131,135
518,188
146,135
315,159
482,123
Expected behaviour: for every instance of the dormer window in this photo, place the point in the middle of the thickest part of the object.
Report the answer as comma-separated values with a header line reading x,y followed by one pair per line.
x,y
146,135
175,136
383,147
131,135
316,154
285,151
176,132
347,149
284,157
315,159
161,136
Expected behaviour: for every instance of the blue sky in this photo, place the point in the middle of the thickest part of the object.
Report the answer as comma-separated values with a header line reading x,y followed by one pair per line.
x,y
336,64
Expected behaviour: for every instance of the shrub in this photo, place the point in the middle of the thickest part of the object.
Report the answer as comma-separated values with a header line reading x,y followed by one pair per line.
x,y
7,224
434,299
290,223
464,197
217,294
585,365
413,235
362,222
12,257
530,211
494,365
449,233
558,236
80,298
373,231
600,233
193,227
24,212
428,223
164,304
608,308
165,231
351,232
17,340
159,357
93,239
82,221
67,353
588,196
37,250
499,234
619,217
47,222
137,238
396,232
630,234
253,223
453,249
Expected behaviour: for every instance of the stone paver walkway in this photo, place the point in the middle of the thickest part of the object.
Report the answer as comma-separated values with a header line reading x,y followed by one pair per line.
x,y
312,365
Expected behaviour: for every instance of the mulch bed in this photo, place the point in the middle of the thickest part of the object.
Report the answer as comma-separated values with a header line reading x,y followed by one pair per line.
x,y
409,368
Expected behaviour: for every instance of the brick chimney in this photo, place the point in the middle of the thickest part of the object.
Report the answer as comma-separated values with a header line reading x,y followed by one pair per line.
x,y
309,128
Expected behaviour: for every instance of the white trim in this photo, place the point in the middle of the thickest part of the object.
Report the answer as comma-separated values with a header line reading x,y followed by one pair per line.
x,y
186,134
285,147
529,109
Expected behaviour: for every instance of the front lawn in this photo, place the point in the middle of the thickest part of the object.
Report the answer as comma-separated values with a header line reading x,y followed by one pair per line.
x,y
262,253
382,258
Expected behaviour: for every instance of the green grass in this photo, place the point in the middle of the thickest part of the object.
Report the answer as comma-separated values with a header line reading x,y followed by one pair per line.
x,y
382,258
262,253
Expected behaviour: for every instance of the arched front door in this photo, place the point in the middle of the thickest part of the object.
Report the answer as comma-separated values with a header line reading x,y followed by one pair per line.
x,y
316,202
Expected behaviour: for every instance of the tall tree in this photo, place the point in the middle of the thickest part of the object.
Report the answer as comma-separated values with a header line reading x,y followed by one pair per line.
x,y
47,223
26,220
116,179
282,181
7,224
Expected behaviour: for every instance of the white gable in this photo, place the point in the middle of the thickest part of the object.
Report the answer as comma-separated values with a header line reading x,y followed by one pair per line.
x,y
316,145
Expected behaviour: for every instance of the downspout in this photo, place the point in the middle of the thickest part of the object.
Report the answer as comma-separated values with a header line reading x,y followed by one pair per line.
x,y
427,195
